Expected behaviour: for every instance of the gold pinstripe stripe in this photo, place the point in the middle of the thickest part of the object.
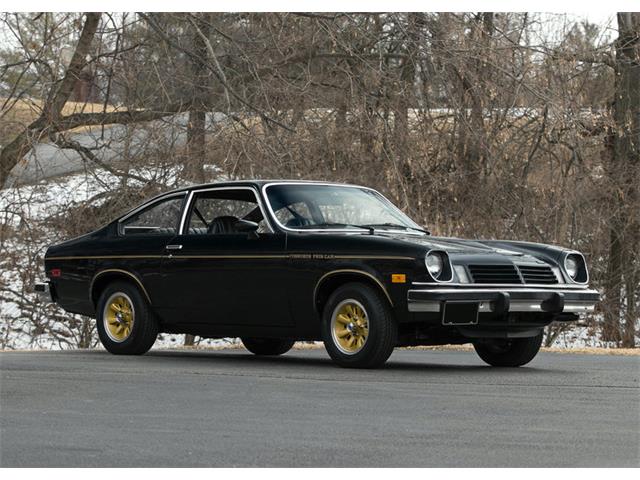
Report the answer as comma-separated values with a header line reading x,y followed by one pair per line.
x,y
370,257
117,270
100,257
287,256
359,272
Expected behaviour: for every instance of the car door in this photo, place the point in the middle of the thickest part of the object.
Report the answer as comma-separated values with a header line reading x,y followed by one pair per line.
x,y
141,240
225,277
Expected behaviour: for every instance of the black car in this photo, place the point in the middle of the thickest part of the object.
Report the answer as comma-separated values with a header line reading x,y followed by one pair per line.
x,y
273,262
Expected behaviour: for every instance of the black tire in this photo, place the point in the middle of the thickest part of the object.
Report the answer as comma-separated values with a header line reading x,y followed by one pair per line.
x,y
144,329
382,331
267,346
509,353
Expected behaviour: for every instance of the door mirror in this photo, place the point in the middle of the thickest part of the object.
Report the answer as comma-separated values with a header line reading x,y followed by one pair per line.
x,y
245,226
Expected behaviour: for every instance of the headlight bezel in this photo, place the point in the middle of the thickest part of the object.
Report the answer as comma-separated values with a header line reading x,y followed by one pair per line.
x,y
571,265
446,272
581,272
435,264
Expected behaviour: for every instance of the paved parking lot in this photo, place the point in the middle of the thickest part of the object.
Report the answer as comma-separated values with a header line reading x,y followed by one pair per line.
x,y
229,408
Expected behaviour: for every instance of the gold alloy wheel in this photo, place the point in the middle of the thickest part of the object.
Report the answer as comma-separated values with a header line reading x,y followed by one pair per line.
x,y
349,326
118,317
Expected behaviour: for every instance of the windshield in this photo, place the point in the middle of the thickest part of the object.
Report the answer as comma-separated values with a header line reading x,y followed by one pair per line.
x,y
312,206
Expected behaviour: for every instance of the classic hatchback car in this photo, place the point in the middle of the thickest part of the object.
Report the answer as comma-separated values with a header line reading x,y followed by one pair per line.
x,y
273,262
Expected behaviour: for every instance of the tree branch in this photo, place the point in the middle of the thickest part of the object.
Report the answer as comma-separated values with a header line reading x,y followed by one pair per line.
x,y
213,70
58,96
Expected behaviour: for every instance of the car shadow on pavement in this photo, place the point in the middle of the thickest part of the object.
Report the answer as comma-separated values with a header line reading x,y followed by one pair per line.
x,y
320,359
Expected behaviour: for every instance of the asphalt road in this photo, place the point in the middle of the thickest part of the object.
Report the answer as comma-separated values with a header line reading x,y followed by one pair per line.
x,y
229,408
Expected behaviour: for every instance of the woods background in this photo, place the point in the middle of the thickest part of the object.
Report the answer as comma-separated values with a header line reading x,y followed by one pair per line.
x,y
510,125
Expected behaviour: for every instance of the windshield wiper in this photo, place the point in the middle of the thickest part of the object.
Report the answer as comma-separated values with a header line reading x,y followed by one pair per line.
x,y
395,225
335,225
368,226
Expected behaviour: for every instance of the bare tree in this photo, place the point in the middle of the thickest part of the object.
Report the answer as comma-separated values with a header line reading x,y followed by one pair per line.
x,y
624,169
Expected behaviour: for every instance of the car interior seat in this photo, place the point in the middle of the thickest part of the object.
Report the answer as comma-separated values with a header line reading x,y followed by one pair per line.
x,y
224,224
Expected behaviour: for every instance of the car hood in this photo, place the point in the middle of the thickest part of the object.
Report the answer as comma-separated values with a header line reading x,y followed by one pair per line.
x,y
462,247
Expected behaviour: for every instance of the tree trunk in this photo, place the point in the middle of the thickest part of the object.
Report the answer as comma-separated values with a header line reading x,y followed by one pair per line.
x,y
625,175
612,285
196,138
341,146
196,129
629,335
470,78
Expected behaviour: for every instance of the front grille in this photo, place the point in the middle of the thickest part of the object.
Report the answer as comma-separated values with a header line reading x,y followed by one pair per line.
x,y
537,274
494,274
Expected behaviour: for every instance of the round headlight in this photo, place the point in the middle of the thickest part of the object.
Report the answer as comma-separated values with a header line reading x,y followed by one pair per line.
x,y
571,265
435,263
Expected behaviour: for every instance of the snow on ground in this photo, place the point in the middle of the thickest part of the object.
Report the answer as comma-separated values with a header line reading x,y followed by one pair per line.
x,y
580,336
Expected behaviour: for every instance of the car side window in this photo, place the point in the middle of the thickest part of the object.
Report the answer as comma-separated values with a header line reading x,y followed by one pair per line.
x,y
161,218
294,215
217,211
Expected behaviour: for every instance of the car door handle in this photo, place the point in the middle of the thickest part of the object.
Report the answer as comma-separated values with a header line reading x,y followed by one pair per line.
x,y
174,247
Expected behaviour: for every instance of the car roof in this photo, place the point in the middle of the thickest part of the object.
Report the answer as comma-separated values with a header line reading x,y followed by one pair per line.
x,y
255,183
229,183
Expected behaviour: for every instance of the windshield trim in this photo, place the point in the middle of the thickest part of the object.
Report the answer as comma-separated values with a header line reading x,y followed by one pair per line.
x,y
325,230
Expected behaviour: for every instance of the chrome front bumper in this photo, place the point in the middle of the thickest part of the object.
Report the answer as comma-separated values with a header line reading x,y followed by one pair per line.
x,y
504,300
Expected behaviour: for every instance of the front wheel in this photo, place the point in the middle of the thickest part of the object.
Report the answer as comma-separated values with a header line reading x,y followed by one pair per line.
x,y
358,327
267,346
509,353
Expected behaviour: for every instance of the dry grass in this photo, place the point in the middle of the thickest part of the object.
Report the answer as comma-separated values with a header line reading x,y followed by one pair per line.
x,y
21,113
28,110
595,350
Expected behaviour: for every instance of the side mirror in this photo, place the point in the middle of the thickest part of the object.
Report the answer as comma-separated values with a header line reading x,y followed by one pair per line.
x,y
246,226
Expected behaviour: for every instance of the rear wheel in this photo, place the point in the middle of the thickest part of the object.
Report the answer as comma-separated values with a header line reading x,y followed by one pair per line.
x,y
509,353
126,324
358,327
267,346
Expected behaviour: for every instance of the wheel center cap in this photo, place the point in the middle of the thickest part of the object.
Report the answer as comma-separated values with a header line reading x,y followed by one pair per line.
x,y
351,327
119,317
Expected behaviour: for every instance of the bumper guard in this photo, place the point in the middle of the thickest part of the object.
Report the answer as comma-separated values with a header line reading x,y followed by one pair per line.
x,y
504,300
